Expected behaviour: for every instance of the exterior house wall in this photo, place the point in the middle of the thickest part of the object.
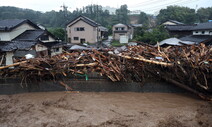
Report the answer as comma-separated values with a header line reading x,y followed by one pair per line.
x,y
116,36
9,58
4,36
202,32
8,36
20,53
131,32
40,47
56,51
180,33
90,33
51,39
126,32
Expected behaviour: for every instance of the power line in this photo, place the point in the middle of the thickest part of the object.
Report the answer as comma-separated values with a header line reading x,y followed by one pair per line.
x,y
158,7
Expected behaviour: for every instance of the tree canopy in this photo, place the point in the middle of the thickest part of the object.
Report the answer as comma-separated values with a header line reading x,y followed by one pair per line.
x,y
204,14
182,14
122,14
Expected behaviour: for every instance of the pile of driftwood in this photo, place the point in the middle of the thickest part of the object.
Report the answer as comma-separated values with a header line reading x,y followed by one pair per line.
x,y
189,67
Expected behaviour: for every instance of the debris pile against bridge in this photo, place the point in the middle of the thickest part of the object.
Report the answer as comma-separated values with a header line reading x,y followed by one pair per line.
x,y
189,67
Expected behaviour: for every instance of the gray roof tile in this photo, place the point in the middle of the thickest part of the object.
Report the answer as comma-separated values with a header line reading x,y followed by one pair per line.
x,y
203,26
9,24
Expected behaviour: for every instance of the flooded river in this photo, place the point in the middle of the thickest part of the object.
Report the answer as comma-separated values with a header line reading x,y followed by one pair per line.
x,y
113,109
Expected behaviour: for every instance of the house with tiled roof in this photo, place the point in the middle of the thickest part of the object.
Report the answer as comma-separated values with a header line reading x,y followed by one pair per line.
x,y
180,30
19,37
201,33
84,30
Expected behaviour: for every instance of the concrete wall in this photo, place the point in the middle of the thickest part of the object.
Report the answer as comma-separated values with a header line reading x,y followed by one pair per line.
x,y
8,36
90,33
13,86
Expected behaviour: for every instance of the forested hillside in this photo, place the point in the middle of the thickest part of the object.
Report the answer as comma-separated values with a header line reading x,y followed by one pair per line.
x,y
96,12
62,17
56,21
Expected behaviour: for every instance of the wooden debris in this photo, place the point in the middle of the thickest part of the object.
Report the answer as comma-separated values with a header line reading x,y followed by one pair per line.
x,y
189,67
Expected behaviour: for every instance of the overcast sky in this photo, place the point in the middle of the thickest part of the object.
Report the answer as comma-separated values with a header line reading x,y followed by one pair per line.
x,y
148,6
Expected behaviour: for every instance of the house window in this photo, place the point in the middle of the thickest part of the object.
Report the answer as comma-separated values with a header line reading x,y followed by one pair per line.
x,y
44,38
79,29
196,32
121,34
209,33
203,32
56,50
76,38
82,40
82,29
119,28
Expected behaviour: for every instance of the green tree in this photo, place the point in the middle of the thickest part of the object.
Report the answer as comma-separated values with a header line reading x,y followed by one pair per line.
x,y
204,14
151,36
143,18
58,32
182,14
122,14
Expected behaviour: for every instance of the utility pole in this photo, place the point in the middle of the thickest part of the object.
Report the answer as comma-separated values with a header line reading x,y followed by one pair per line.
x,y
196,8
65,10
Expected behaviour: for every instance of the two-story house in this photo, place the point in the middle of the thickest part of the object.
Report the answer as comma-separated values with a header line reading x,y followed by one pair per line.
x,y
122,30
84,30
201,33
19,37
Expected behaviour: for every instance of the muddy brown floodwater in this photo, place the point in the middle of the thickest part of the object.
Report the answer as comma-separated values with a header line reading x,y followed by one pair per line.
x,y
111,109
